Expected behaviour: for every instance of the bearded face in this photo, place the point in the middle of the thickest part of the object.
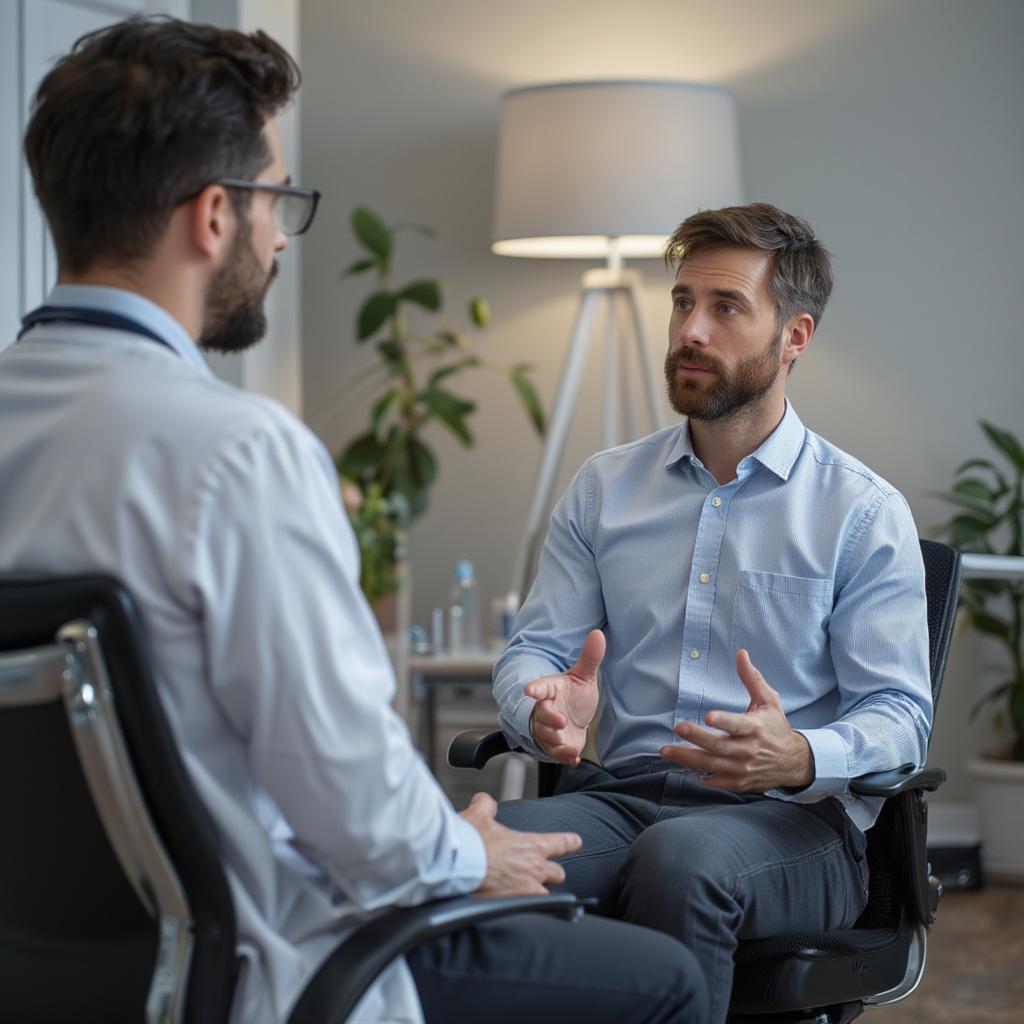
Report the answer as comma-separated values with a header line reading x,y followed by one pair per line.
x,y
718,392
234,318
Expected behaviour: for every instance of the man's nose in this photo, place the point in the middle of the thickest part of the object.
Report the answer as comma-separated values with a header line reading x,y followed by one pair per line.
x,y
281,241
694,330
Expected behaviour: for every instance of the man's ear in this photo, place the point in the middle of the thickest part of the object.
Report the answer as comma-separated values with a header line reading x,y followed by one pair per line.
x,y
212,222
797,336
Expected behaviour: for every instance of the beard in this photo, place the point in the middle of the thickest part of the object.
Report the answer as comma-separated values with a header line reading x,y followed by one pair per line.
x,y
234,318
716,397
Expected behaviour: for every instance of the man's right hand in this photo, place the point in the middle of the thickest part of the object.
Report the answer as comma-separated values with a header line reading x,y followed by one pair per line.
x,y
566,704
518,863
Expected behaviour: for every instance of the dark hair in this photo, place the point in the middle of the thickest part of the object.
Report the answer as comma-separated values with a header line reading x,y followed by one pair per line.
x,y
800,273
140,115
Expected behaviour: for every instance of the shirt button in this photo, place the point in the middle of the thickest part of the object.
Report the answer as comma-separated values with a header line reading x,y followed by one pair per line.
x,y
704,577
716,501
695,654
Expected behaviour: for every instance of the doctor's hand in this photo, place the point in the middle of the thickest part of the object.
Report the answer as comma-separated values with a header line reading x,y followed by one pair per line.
x,y
755,751
518,863
566,704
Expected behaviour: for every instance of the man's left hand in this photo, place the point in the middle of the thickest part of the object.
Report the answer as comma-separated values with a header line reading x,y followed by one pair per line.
x,y
755,751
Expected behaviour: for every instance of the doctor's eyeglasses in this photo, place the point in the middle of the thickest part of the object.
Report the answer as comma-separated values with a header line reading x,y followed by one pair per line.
x,y
294,207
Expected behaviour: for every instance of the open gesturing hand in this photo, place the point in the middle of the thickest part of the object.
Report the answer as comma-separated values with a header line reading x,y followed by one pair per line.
x,y
566,704
756,751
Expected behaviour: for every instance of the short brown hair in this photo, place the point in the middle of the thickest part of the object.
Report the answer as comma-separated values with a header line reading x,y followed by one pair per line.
x,y
140,115
800,272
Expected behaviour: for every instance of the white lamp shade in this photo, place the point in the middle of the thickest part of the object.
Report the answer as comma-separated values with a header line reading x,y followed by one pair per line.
x,y
581,163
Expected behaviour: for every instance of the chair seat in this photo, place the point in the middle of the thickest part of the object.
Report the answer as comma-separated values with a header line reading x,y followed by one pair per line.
x,y
793,972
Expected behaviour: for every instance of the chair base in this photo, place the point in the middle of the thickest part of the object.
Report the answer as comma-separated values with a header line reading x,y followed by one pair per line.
x,y
840,1014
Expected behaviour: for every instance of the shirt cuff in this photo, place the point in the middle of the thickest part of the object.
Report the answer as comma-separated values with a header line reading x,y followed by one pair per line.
x,y
469,864
517,730
831,772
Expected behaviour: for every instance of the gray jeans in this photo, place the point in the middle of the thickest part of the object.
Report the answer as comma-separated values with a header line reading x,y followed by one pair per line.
x,y
706,866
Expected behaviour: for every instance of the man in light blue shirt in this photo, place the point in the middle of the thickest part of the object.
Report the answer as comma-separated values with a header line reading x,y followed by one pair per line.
x,y
754,598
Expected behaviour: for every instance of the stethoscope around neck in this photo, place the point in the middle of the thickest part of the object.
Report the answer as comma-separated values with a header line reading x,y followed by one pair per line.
x,y
85,315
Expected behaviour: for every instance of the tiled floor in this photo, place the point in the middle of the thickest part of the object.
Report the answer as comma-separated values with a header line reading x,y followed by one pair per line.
x,y
975,968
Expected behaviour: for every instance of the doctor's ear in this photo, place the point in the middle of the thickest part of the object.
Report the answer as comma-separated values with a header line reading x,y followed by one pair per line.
x,y
212,222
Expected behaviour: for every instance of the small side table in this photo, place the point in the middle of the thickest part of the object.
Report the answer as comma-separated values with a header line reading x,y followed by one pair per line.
x,y
428,672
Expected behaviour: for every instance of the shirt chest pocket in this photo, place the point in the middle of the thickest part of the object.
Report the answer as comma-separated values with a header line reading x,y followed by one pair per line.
x,y
782,621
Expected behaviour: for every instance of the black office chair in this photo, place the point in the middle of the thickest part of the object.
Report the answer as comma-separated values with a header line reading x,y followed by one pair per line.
x,y
832,978
114,905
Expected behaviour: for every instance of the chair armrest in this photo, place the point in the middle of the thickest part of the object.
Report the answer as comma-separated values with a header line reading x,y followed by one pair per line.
x,y
346,975
899,780
475,747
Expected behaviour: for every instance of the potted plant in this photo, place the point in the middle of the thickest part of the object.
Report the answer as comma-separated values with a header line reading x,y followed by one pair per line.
x,y
990,520
390,468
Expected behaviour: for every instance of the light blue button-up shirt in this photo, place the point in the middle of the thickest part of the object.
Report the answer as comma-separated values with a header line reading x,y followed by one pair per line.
x,y
807,559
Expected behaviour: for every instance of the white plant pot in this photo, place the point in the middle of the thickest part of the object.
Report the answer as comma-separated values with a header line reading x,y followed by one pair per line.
x,y
999,797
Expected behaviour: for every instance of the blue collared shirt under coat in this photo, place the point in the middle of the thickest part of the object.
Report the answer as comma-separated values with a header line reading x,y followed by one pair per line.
x,y
807,559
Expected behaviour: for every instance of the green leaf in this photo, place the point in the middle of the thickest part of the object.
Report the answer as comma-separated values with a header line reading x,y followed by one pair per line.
x,y
446,371
363,457
393,353
992,695
415,472
380,408
421,462
359,267
981,589
479,312
1006,443
1016,691
990,624
972,504
372,232
451,411
374,313
424,293
528,395
969,529
972,464
972,487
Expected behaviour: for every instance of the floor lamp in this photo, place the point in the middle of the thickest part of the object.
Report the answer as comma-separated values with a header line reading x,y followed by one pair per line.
x,y
605,170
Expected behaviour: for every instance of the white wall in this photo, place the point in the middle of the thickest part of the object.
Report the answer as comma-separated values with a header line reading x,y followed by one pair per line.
x,y
893,125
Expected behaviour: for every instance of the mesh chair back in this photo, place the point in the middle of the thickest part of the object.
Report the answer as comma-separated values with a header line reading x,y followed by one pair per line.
x,y
942,589
888,889
75,941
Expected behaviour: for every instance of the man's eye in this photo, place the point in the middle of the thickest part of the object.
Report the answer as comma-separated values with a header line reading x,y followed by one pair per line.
x,y
728,308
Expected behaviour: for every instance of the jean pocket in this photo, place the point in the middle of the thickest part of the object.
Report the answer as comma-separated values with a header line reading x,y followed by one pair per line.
x,y
782,621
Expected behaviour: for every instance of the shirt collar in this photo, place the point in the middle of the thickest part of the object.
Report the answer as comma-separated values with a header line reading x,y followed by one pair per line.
x,y
777,452
134,306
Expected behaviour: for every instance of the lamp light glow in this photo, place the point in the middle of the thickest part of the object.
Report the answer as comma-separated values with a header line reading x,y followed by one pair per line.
x,y
587,167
